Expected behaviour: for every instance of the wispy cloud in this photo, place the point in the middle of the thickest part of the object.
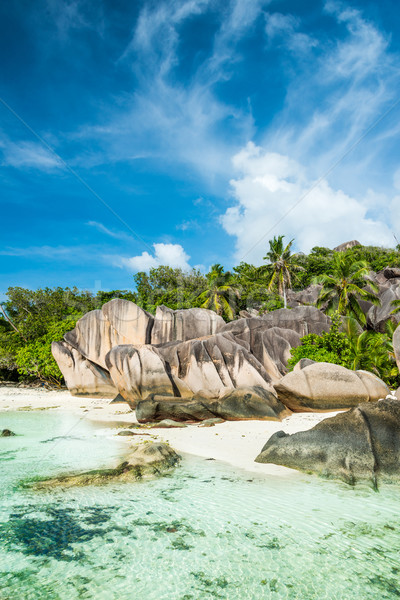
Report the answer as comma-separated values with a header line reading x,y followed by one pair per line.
x,y
27,154
179,121
119,235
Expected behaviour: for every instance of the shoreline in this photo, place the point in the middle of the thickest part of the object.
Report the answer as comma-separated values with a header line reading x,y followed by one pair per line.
x,y
236,443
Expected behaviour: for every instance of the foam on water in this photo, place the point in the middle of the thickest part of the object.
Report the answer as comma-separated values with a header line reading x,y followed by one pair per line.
x,y
206,531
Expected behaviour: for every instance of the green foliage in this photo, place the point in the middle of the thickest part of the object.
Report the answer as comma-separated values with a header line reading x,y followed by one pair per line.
x,y
347,345
341,289
332,346
35,358
221,294
281,266
171,287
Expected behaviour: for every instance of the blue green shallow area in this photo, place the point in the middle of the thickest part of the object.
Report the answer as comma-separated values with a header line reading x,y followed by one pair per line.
x,y
206,531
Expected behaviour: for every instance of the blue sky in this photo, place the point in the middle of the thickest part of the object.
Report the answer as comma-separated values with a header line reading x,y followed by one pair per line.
x,y
189,132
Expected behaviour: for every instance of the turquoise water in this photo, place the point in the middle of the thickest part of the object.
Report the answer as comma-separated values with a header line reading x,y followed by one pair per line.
x,y
206,531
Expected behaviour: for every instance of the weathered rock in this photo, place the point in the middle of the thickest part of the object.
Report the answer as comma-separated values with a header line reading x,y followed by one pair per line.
x,y
82,377
306,297
182,325
396,346
247,403
303,362
379,314
7,433
147,459
303,319
270,345
346,246
118,322
208,367
363,443
391,272
118,400
140,372
325,386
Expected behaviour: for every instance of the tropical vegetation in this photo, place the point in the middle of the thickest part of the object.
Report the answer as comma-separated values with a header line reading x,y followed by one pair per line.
x,y
31,319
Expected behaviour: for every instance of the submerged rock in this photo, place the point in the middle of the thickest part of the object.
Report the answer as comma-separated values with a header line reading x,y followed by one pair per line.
x,y
148,459
360,444
325,386
7,433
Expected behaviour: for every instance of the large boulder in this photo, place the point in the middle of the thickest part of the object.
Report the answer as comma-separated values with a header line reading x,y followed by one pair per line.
x,y
242,403
302,319
118,322
306,297
324,386
379,314
208,367
186,324
363,443
270,345
82,377
141,372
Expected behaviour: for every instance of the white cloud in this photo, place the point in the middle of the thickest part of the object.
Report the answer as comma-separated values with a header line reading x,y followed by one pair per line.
x,y
29,154
274,196
172,255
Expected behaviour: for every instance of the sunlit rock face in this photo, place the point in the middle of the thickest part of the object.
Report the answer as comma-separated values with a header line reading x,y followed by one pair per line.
x,y
325,386
83,378
360,444
208,367
186,324
118,322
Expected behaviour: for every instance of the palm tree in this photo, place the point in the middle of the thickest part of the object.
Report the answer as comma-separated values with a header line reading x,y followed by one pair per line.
x,y
341,289
281,266
221,295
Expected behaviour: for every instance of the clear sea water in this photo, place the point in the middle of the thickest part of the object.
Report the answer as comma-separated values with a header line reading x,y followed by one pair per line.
x,y
206,531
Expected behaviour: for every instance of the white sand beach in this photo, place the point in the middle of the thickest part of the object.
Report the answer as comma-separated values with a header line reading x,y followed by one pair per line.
x,y
233,442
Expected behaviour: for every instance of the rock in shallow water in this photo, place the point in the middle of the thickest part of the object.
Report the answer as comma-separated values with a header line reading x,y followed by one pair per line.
x,y
360,444
148,459
7,433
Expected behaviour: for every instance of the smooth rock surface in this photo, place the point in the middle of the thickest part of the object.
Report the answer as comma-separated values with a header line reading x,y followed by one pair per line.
x,y
363,443
118,322
182,325
325,386
82,377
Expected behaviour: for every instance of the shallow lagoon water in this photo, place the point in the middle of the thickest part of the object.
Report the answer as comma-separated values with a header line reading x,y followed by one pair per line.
x,y
206,531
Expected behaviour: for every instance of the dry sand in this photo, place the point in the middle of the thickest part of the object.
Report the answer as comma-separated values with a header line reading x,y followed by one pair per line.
x,y
233,442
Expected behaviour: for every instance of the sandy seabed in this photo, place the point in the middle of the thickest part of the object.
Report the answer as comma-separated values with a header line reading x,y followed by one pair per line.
x,y
233,442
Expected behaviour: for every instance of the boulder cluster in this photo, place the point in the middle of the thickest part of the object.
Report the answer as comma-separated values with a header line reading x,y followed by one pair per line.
x,y
189,365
